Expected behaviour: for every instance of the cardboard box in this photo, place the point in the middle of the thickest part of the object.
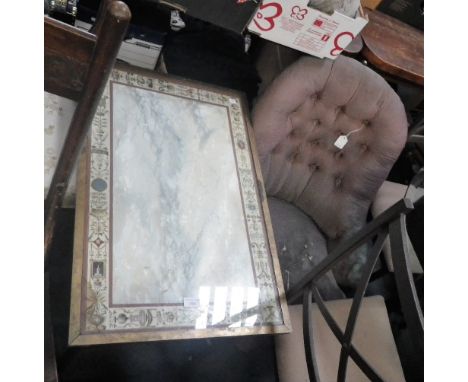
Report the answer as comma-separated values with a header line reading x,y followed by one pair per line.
x,y
294,24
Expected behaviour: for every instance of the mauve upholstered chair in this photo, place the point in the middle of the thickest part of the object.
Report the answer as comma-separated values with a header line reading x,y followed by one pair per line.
x,y
318,193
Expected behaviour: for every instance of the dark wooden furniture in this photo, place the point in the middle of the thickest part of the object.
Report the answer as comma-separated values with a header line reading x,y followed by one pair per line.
x,y
77,65
394,47
354,46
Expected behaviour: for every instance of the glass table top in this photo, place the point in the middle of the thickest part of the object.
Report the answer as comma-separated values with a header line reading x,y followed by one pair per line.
x,y
172,236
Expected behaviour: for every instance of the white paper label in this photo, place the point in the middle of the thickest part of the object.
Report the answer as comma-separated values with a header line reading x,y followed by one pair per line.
x,y
191,302
341,141
293,23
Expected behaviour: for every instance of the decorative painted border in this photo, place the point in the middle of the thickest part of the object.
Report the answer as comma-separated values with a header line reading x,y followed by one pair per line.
x,y
96,315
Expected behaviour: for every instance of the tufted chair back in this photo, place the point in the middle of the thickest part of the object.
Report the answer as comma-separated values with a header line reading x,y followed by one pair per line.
x,y
298,119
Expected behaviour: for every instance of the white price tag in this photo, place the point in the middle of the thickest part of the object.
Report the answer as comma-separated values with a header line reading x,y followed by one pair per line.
x,y
341,141
191,302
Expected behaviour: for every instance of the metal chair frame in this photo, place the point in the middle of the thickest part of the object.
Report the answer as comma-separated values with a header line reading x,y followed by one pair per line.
x,y
390,223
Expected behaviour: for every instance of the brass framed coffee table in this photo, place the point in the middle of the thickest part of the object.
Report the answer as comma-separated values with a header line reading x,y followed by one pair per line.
x,y
172,234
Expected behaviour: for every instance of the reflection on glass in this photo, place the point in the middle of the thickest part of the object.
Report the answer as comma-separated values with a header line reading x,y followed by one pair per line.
x,y
241,300
252,301
204,297
237,299
219,305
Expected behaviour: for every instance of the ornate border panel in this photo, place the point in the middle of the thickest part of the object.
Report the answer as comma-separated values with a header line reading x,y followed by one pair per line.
x,y
93,318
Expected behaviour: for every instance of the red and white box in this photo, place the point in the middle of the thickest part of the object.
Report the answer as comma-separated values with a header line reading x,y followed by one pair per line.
x,y
294,24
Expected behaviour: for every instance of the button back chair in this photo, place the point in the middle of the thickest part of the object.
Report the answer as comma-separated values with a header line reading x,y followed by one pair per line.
x,y
77,65
319,193
308,108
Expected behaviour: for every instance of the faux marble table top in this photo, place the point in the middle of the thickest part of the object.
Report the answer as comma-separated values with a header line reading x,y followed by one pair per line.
x,y
174,241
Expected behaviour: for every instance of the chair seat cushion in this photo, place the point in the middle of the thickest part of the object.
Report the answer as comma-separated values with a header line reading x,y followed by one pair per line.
x,y
388,194
372,338
301,246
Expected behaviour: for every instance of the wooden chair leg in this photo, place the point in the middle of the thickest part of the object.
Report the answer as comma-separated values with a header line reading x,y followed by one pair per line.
x,y
111,33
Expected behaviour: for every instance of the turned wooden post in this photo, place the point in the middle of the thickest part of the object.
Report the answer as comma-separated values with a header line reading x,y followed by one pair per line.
x,y
110,30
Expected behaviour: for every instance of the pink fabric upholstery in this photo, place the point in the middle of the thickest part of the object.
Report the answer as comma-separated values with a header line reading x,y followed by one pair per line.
x,y
296,122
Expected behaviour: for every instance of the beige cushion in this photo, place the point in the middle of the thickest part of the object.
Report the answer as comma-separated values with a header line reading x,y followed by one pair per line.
x,y
388,194
372,338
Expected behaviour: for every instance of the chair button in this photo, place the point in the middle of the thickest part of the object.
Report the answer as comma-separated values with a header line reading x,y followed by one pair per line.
x,y
314,167
339,182
339,154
